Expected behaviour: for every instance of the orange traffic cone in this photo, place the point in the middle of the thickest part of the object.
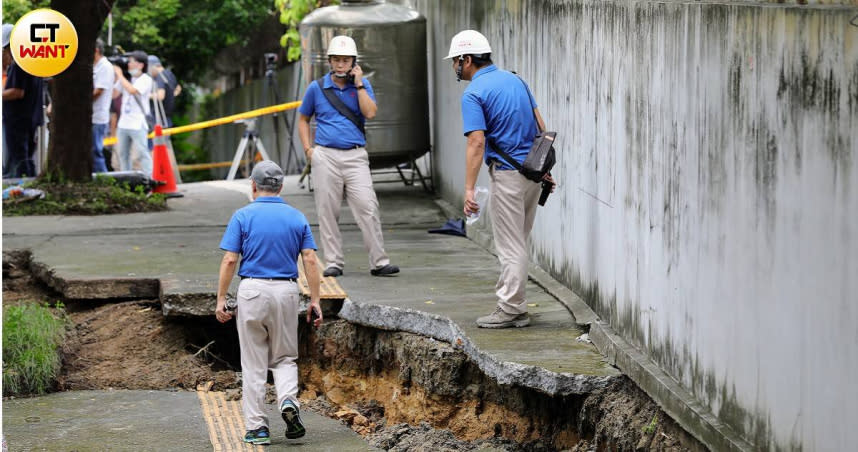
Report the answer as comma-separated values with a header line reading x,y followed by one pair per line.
x,y
161,169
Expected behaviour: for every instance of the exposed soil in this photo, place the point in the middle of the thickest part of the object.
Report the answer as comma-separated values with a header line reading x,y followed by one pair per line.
x,y
127,345
131,346
377,380
18,284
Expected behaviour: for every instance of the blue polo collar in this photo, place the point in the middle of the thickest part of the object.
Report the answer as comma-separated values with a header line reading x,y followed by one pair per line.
x,y
327,82
485,70
270,199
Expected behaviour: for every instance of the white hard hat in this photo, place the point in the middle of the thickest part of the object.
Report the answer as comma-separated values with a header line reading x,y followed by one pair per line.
x,y
468,42
343,46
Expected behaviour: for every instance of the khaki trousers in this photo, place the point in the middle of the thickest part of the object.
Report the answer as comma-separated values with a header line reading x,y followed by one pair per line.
x,y
513,208
337,173
267,319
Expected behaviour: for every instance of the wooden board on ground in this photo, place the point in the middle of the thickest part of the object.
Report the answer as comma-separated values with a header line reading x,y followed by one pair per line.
x,y
329,288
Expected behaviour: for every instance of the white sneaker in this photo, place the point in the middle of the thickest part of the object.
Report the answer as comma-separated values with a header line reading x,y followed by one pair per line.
x,y
500,319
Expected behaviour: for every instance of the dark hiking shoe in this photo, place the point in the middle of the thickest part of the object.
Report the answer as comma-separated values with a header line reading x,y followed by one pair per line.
x,y
333,271
384,271
294,426
259,436
500,319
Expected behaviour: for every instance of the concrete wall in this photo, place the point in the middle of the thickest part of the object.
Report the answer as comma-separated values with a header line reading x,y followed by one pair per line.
x,y
708,199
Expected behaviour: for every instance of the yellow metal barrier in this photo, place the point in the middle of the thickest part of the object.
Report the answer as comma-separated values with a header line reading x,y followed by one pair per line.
x,y
204,166
220,121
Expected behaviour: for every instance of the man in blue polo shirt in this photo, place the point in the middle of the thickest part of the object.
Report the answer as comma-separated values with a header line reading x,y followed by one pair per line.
x,y
268,234
339,158
499,112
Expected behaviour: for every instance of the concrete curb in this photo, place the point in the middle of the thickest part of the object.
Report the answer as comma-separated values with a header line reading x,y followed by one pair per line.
x,y
675,400
444,329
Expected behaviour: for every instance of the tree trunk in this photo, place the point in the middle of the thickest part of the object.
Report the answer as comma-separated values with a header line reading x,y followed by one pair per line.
x,y
70,150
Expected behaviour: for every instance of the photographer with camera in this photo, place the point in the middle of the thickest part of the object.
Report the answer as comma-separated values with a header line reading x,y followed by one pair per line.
x,y
268,235
133,125
500,114
342,100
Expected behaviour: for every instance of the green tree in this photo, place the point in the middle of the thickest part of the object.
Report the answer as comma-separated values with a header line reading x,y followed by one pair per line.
x,y
188,33
70,150
291,14
14,9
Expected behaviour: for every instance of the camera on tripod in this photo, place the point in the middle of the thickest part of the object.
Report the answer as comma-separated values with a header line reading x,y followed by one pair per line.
x,y
270,59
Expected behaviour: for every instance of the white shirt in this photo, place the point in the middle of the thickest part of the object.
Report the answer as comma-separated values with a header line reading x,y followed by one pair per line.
x,y
131,117
102,77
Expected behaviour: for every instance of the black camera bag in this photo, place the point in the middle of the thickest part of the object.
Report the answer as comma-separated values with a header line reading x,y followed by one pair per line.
x,y
541,157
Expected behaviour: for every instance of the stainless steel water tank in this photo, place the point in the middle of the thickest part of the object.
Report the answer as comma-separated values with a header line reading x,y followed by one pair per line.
x,y
391,42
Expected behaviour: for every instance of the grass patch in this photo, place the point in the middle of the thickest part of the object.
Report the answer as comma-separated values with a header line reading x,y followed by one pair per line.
x,y
104,195
650,429
32,337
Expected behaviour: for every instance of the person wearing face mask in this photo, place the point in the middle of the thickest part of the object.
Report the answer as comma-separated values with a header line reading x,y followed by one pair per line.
x,y
341,101
132,126
500,120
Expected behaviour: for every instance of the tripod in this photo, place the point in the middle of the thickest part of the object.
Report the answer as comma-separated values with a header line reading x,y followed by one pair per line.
x,y
250,140
271,83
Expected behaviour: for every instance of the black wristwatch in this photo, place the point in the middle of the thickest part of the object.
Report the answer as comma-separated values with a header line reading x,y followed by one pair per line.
x,y
360,87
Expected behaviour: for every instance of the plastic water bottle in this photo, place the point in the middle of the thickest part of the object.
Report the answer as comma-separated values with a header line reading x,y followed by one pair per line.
x,y
231,303
481,195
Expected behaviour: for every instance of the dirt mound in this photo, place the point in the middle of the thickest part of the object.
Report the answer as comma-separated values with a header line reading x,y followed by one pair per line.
x,y
423,438
623,416
18,284
131,345
127,345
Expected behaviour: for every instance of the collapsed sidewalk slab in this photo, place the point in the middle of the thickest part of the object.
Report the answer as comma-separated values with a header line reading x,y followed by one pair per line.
x,y
446,282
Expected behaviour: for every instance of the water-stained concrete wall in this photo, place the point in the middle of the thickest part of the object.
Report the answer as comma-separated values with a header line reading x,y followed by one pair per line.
x,y
708,198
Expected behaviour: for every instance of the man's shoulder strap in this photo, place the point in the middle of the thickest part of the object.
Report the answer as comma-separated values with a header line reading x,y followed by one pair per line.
x,y
341,107
500,151
503,154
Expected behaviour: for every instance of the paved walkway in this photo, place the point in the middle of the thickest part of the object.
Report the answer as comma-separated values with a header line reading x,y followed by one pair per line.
x,y
155,421
446,282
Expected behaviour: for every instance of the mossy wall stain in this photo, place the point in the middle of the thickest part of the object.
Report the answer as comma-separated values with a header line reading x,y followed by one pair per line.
x,y
706,162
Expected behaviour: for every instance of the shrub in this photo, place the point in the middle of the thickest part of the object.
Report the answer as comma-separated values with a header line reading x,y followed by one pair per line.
x,y
32,337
